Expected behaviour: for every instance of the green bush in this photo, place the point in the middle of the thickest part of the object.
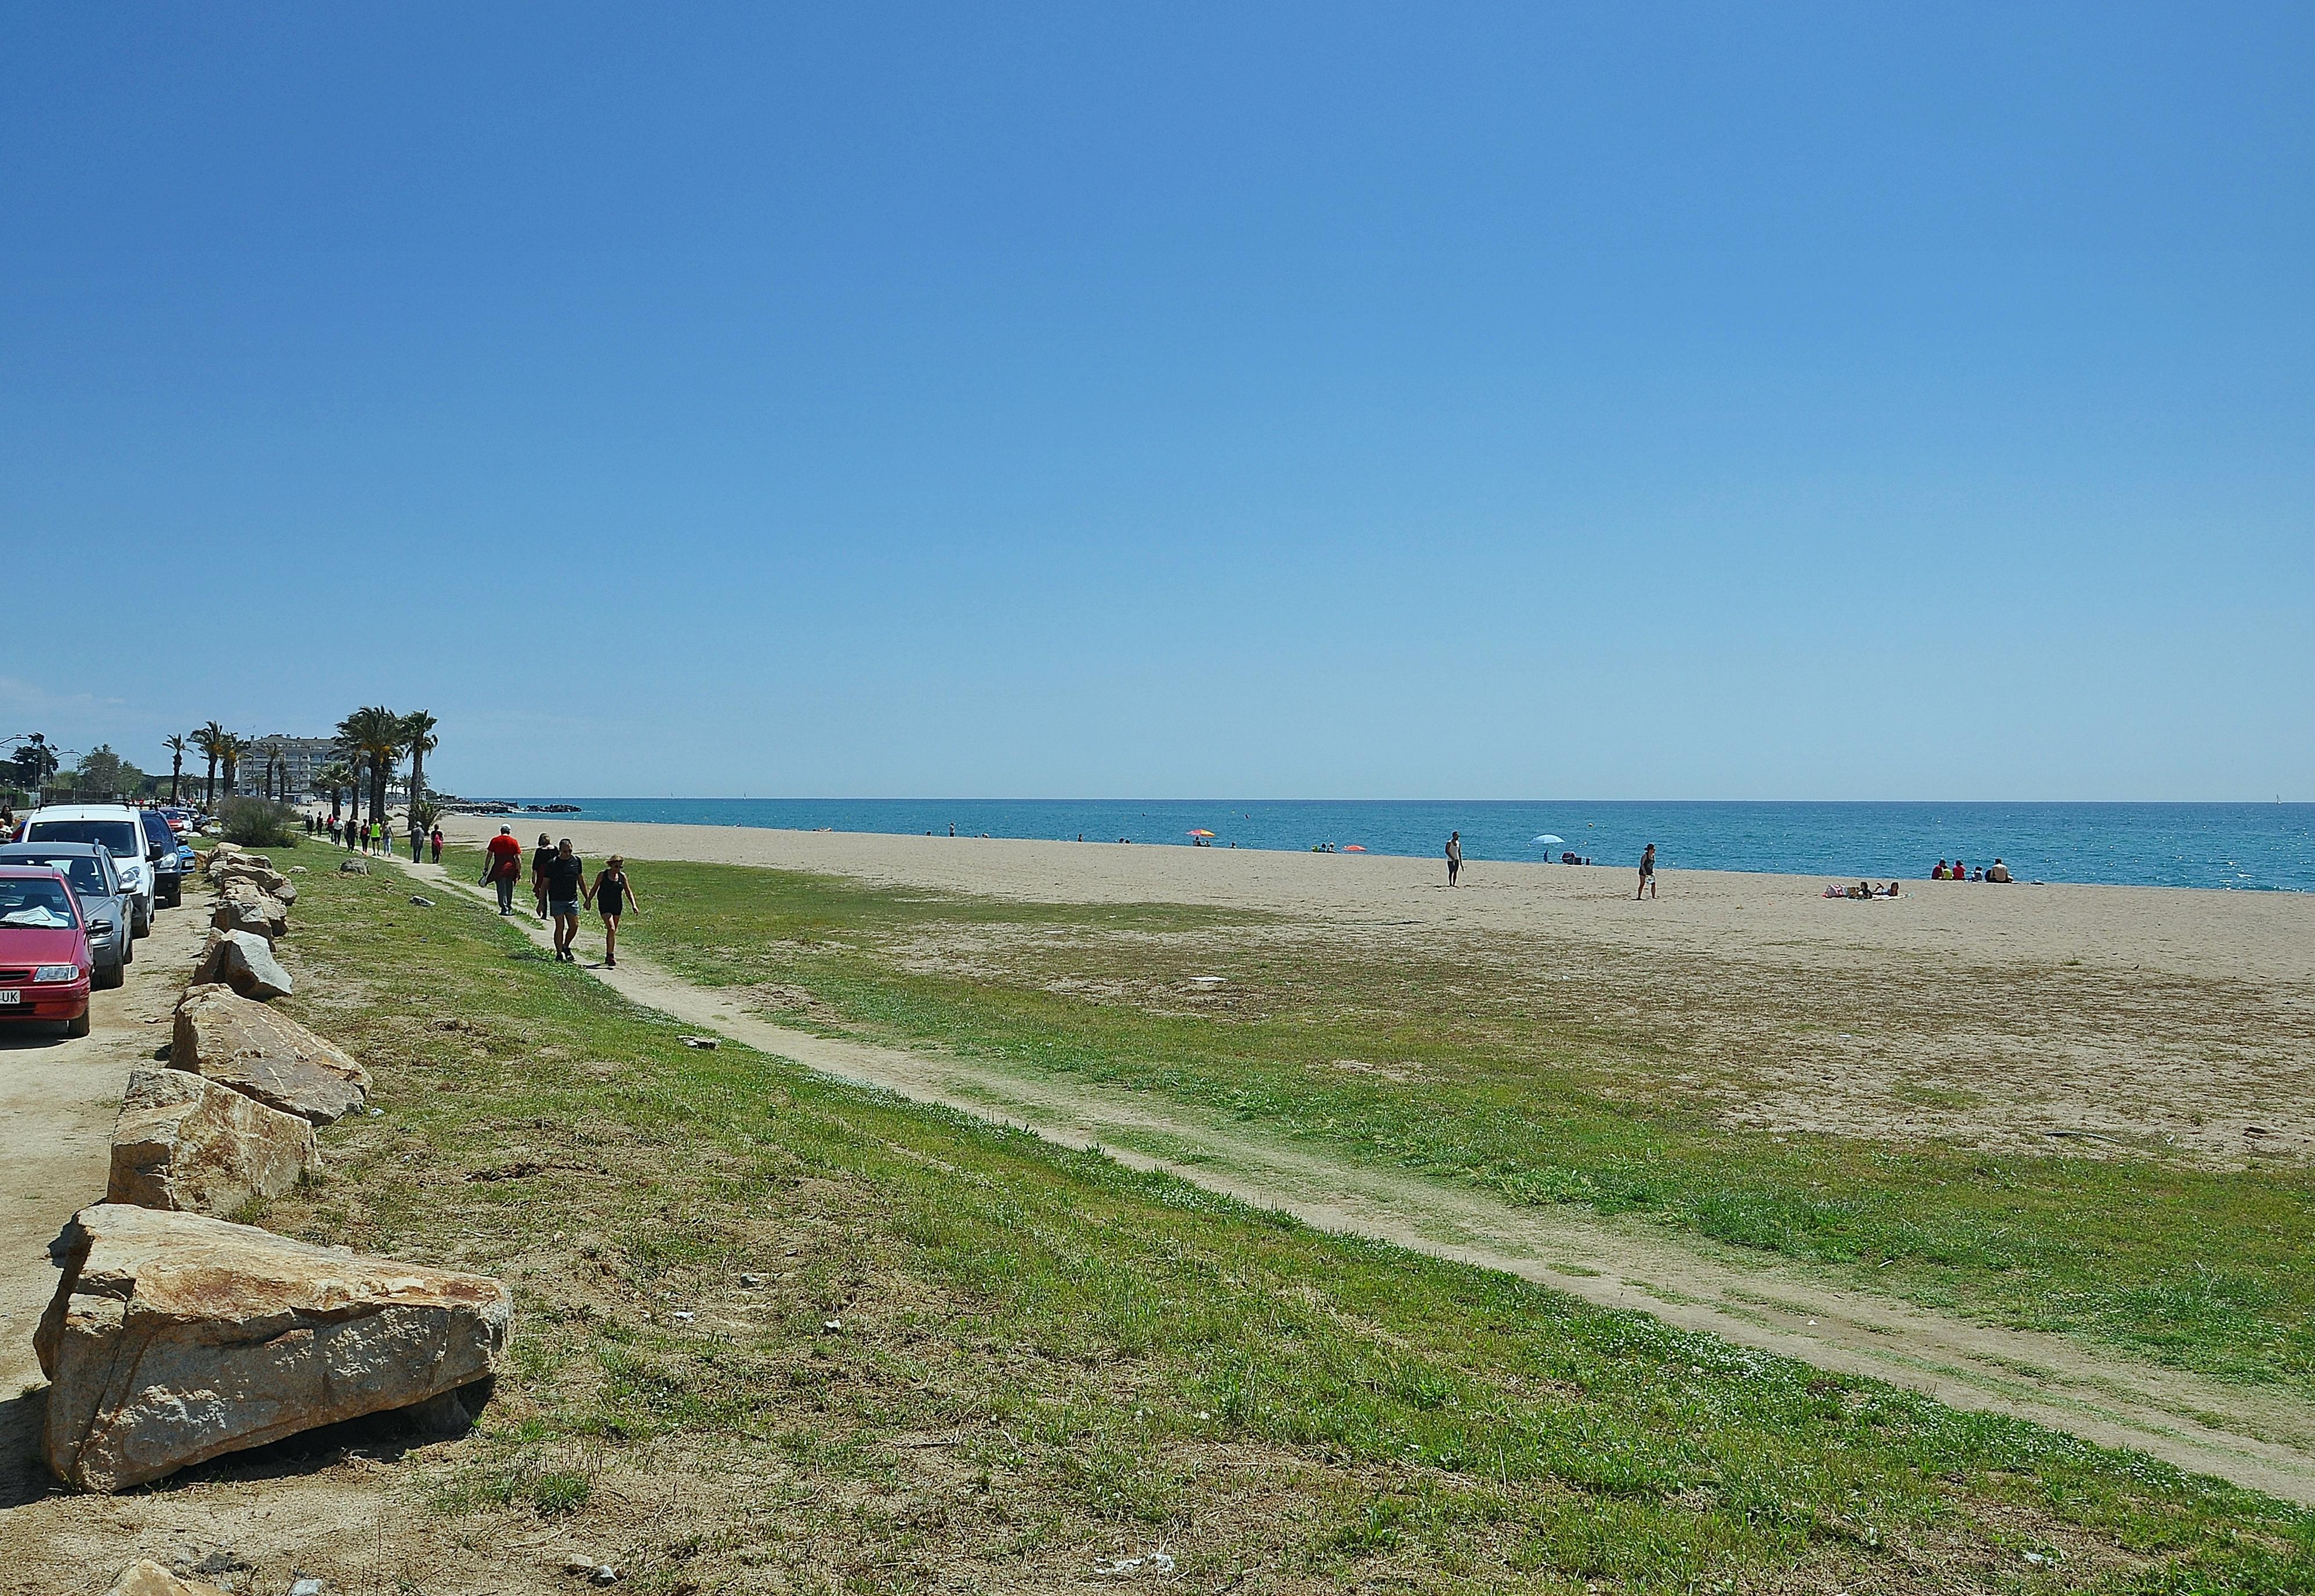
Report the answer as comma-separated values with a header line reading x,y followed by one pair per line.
x,y
258,823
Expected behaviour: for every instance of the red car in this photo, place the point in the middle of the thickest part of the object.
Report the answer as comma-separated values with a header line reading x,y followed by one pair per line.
x,y
44,956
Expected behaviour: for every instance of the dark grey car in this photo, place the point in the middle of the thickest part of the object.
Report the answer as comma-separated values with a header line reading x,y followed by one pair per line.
x,y
105,903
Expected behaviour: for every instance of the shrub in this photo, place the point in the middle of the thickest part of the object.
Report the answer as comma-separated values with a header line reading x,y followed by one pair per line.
x,y
258,823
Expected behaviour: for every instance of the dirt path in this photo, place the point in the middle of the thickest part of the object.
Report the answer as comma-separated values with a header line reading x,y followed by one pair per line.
x,y
58,1096
2250,1435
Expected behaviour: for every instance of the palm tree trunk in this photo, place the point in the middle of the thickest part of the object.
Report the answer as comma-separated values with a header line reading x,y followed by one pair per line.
x,y
208,799
176,766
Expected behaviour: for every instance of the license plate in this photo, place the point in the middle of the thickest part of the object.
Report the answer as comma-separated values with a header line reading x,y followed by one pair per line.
x,y
9,994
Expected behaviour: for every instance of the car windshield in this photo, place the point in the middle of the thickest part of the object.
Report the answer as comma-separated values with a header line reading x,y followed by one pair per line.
x,y
37,903
118,837
156,830
82,870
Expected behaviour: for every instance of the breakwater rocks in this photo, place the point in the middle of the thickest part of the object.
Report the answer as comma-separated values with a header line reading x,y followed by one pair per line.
x,y
175,1336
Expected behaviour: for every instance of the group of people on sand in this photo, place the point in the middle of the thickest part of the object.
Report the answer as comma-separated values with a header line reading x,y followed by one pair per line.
x,y
1862,890
1958,871
559,888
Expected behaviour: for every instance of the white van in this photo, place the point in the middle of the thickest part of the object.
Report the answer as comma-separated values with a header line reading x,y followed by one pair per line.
x,y
116,829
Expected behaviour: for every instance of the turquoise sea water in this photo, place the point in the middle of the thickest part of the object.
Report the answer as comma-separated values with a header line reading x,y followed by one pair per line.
x,y
2243,847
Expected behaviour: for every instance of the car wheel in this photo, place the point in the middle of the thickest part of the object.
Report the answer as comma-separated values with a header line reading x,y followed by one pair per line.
x,y
78,1027
105,980
140,926
128,954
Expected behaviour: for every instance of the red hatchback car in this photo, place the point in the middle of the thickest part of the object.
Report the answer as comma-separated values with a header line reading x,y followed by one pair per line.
x,y
44,957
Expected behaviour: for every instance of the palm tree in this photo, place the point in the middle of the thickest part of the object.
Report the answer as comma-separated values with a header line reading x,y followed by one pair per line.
x,y
176,747
230,749
418,737
333,779
210,741
275,759
376,733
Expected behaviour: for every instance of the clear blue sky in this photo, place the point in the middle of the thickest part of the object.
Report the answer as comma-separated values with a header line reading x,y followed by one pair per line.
x,y
1334,401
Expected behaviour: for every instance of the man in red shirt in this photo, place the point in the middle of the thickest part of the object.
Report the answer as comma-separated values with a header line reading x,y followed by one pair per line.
x,y
505,866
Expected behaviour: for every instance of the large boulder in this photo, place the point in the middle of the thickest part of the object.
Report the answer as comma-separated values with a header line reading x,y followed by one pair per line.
x,y
242,905
174,1337
263,878
224,1037
244,961
185,1142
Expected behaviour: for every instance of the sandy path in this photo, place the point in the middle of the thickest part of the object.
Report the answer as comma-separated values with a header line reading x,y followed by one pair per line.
x,y
2253,1437
58,1097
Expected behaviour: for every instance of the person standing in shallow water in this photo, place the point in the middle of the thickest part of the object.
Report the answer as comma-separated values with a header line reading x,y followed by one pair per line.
x,y
612,896
1647,874
1454,855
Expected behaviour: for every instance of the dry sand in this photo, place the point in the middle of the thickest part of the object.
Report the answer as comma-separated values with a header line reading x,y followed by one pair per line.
x,y
2069,1019
2261,936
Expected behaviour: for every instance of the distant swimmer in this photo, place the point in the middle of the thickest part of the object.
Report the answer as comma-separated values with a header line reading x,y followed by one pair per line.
x,y
1647,874
1454,855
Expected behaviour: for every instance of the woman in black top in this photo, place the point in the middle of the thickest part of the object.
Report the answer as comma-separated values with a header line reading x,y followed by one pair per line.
x,y
541,858
612,896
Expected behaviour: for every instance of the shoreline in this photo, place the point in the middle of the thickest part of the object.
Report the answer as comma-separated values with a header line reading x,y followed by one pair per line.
x,y
2262,937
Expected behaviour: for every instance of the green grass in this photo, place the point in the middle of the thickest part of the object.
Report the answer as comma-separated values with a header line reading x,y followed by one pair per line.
x,y
1038,1358
2200,1268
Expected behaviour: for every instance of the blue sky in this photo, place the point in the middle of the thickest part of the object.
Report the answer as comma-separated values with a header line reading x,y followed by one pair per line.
x,y
1357,402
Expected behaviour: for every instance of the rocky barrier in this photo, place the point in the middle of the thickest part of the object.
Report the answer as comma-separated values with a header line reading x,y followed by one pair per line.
x,y
176,1335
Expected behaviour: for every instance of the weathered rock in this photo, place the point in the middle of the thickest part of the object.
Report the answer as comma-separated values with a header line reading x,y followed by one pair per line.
x,y
241,907
174,1337
244,961
353,867
145,1577
186,1142
225,1038
286,889
242,869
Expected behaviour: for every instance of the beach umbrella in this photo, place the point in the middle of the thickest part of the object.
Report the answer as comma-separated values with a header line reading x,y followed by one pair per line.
x,y
1353,848
1200,831
1548,836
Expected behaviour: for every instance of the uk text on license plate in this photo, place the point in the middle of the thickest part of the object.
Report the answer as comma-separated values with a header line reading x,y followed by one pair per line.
x,y
10,995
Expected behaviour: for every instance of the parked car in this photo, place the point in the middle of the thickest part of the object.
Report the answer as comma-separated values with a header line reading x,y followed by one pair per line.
x,y
113,826
44,959
168,874
105,904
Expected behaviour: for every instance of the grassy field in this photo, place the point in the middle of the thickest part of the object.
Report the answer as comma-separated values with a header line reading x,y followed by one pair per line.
x,y
778,1332
1402,1057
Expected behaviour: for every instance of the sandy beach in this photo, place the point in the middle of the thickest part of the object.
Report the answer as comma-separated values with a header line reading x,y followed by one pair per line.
x,y
2265,938
2069,1019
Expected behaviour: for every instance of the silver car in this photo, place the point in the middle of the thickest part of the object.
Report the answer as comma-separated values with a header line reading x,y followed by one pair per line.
x,y
106,903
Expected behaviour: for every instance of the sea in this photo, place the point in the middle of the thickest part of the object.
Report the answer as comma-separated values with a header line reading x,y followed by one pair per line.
x,y
2231,846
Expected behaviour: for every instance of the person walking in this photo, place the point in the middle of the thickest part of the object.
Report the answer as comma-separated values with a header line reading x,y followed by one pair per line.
x,y
438,845
1647,874
539,858
565,876
333,830
612,896
378,837
1454,855
503,867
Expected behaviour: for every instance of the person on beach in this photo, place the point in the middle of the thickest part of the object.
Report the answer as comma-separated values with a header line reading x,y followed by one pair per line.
x,y
1647,874
437,841
612,896
539,858
1939,873
504,866
565,876
1996,871
1454,855
1960,871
